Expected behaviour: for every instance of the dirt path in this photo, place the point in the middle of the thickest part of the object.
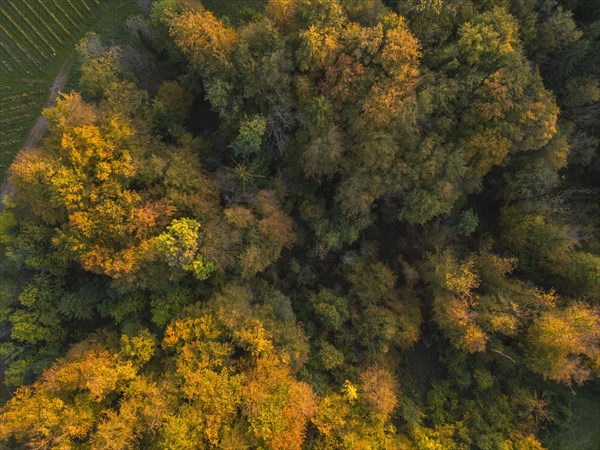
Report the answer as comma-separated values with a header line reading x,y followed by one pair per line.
x,y
41,124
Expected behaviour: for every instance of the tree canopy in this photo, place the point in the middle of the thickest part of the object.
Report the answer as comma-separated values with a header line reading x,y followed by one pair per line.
x,y
328,224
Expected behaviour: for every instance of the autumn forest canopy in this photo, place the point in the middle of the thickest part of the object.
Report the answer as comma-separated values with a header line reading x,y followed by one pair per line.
x,y
312,224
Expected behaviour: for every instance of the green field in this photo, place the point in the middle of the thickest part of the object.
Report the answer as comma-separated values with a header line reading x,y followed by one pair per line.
x,y
37,41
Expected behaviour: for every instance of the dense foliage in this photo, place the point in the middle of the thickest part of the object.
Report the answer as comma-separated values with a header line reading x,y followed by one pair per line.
x,y
314,224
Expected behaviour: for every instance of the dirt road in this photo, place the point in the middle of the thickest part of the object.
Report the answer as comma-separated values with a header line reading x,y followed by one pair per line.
x,y
41,124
